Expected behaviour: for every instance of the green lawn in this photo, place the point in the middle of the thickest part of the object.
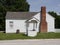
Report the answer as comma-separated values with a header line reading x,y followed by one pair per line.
x,y
4,36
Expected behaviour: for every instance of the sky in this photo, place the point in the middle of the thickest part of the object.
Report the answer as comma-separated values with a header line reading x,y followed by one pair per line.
x,y
51,5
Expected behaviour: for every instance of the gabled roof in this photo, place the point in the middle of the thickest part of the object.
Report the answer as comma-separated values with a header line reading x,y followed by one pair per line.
x,y
20,15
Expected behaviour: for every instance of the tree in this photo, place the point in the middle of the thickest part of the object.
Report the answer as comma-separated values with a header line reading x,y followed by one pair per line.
x,y
15,5
57,19
11,5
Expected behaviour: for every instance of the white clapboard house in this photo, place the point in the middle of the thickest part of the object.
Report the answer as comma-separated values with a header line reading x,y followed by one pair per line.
x,y
24,21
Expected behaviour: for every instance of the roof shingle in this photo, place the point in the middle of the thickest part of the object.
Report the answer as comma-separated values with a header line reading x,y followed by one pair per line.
x,y
20,15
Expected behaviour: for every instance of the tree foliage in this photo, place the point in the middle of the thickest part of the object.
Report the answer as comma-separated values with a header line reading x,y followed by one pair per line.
x,y
57,19
15,5
11,5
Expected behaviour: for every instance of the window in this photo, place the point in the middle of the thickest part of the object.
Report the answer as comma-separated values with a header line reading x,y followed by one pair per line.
x,y
11,24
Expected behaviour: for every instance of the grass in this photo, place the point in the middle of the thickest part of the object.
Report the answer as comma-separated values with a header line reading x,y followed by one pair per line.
x,y
48,35
4,36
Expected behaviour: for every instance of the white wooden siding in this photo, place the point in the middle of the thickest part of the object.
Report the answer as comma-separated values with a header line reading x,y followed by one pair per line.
x,y
17,24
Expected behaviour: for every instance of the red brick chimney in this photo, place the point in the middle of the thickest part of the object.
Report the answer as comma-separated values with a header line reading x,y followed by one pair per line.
x,y
43,23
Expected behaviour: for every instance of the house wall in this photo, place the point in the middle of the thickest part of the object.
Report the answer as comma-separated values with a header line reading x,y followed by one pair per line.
x,y
50,22
17,25
21,25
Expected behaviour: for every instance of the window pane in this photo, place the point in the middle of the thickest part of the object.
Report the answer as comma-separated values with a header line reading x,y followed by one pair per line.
x,y
11,24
